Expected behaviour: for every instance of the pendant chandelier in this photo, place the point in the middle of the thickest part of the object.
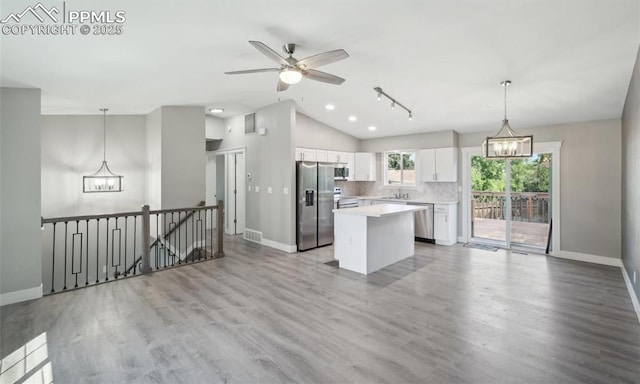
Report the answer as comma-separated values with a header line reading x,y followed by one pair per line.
x,y
507,144
103,180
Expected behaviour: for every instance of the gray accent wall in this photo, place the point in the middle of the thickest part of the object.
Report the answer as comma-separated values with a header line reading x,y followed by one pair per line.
x,y
270,161
590,180
20,124
176,157
183,157
631,179
310,133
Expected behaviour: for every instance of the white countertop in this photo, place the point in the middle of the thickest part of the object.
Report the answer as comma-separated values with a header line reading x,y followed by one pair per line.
x,y
379,210
407,201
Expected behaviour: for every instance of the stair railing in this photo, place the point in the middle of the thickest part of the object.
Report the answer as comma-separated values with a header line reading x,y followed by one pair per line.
x,y
86,250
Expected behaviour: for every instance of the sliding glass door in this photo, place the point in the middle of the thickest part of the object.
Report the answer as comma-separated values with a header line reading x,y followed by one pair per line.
x,y
511,201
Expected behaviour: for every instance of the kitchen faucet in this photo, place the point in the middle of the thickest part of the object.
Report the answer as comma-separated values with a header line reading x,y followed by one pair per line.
x,y
400,195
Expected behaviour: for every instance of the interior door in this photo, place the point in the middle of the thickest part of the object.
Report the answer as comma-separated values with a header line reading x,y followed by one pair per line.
x,y
240,193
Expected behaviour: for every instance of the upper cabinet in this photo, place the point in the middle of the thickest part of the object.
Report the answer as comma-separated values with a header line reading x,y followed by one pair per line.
x,y
438,165
351,164
306,154
365,166
337,157
322,155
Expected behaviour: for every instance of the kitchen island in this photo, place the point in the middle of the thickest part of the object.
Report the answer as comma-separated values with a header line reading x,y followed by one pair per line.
x,y
372,237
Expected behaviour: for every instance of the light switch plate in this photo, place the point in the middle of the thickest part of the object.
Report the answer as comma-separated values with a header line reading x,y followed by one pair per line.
x,y
257,188
249,188
269,190
285,190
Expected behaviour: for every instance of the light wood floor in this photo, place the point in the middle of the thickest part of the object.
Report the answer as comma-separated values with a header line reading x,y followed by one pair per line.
x,y
447,315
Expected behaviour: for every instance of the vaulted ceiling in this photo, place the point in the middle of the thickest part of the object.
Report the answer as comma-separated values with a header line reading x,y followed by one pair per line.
x,y
569,60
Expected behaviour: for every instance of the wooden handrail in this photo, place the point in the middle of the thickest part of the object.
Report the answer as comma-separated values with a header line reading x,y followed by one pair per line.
x,y
63,219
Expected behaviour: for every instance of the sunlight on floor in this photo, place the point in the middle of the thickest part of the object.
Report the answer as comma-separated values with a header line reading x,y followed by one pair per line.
x,y
31,361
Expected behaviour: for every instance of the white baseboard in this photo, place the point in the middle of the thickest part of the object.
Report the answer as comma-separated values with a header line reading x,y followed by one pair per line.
x,y
283,247
22,295
596,259
274,244
632,293
461,239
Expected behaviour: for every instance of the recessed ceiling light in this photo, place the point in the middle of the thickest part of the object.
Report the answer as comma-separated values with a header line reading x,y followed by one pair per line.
x,y
330,107
353,118
216,110
372,128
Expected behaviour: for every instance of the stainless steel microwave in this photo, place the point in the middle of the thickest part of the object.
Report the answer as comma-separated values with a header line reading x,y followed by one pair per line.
x,y
341,172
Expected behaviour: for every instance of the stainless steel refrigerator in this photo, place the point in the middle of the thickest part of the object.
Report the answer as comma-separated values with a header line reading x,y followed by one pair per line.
x,y
314,196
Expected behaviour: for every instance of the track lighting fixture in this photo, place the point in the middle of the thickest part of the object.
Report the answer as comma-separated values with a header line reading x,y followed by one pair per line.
x,y
394,102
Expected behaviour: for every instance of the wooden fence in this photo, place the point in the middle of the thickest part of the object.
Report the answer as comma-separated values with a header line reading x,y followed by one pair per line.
x,y
531,207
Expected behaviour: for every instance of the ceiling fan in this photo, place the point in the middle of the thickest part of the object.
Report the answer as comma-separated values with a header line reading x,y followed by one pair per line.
x,y
293,70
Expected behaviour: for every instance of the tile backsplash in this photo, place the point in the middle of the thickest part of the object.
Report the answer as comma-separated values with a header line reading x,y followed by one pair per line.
x,y
424,191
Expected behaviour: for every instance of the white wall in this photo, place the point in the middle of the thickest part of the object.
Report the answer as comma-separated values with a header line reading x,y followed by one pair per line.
x,y
214,127
414,141
20,264
73,147
310,133
589,186
270,161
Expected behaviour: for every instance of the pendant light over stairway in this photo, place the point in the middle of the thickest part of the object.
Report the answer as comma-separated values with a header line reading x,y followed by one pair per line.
x,y
103,180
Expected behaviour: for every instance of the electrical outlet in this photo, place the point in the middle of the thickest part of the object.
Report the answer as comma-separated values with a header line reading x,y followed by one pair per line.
x,y
104,269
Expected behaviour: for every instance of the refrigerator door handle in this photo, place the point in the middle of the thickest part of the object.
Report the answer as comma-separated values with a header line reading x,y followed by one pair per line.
x,y
309,197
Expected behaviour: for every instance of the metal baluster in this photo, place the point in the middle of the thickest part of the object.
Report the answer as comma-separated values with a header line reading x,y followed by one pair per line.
x,y
65,257
203,227
53,260
97,250
158,240
126,232
193,231
86,275
72,259
135,238
106,261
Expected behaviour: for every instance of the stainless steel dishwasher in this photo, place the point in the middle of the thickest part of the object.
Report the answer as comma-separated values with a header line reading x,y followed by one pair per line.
x,y
423,223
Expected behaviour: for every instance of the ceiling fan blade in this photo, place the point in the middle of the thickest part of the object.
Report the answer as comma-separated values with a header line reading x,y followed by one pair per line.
x,y
322,76
252,71
282,86
270,53
321,59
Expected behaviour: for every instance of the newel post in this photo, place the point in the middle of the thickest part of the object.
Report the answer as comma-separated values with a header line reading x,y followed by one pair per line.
x,y
146,239
220,229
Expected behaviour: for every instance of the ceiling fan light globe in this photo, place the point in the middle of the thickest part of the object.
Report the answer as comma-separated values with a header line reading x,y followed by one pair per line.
x,y
290,76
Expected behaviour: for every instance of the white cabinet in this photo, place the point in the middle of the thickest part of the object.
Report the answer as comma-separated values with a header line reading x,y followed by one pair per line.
x,y
306,154
365,166
337,157
322,155
445,224
438,164
351,164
